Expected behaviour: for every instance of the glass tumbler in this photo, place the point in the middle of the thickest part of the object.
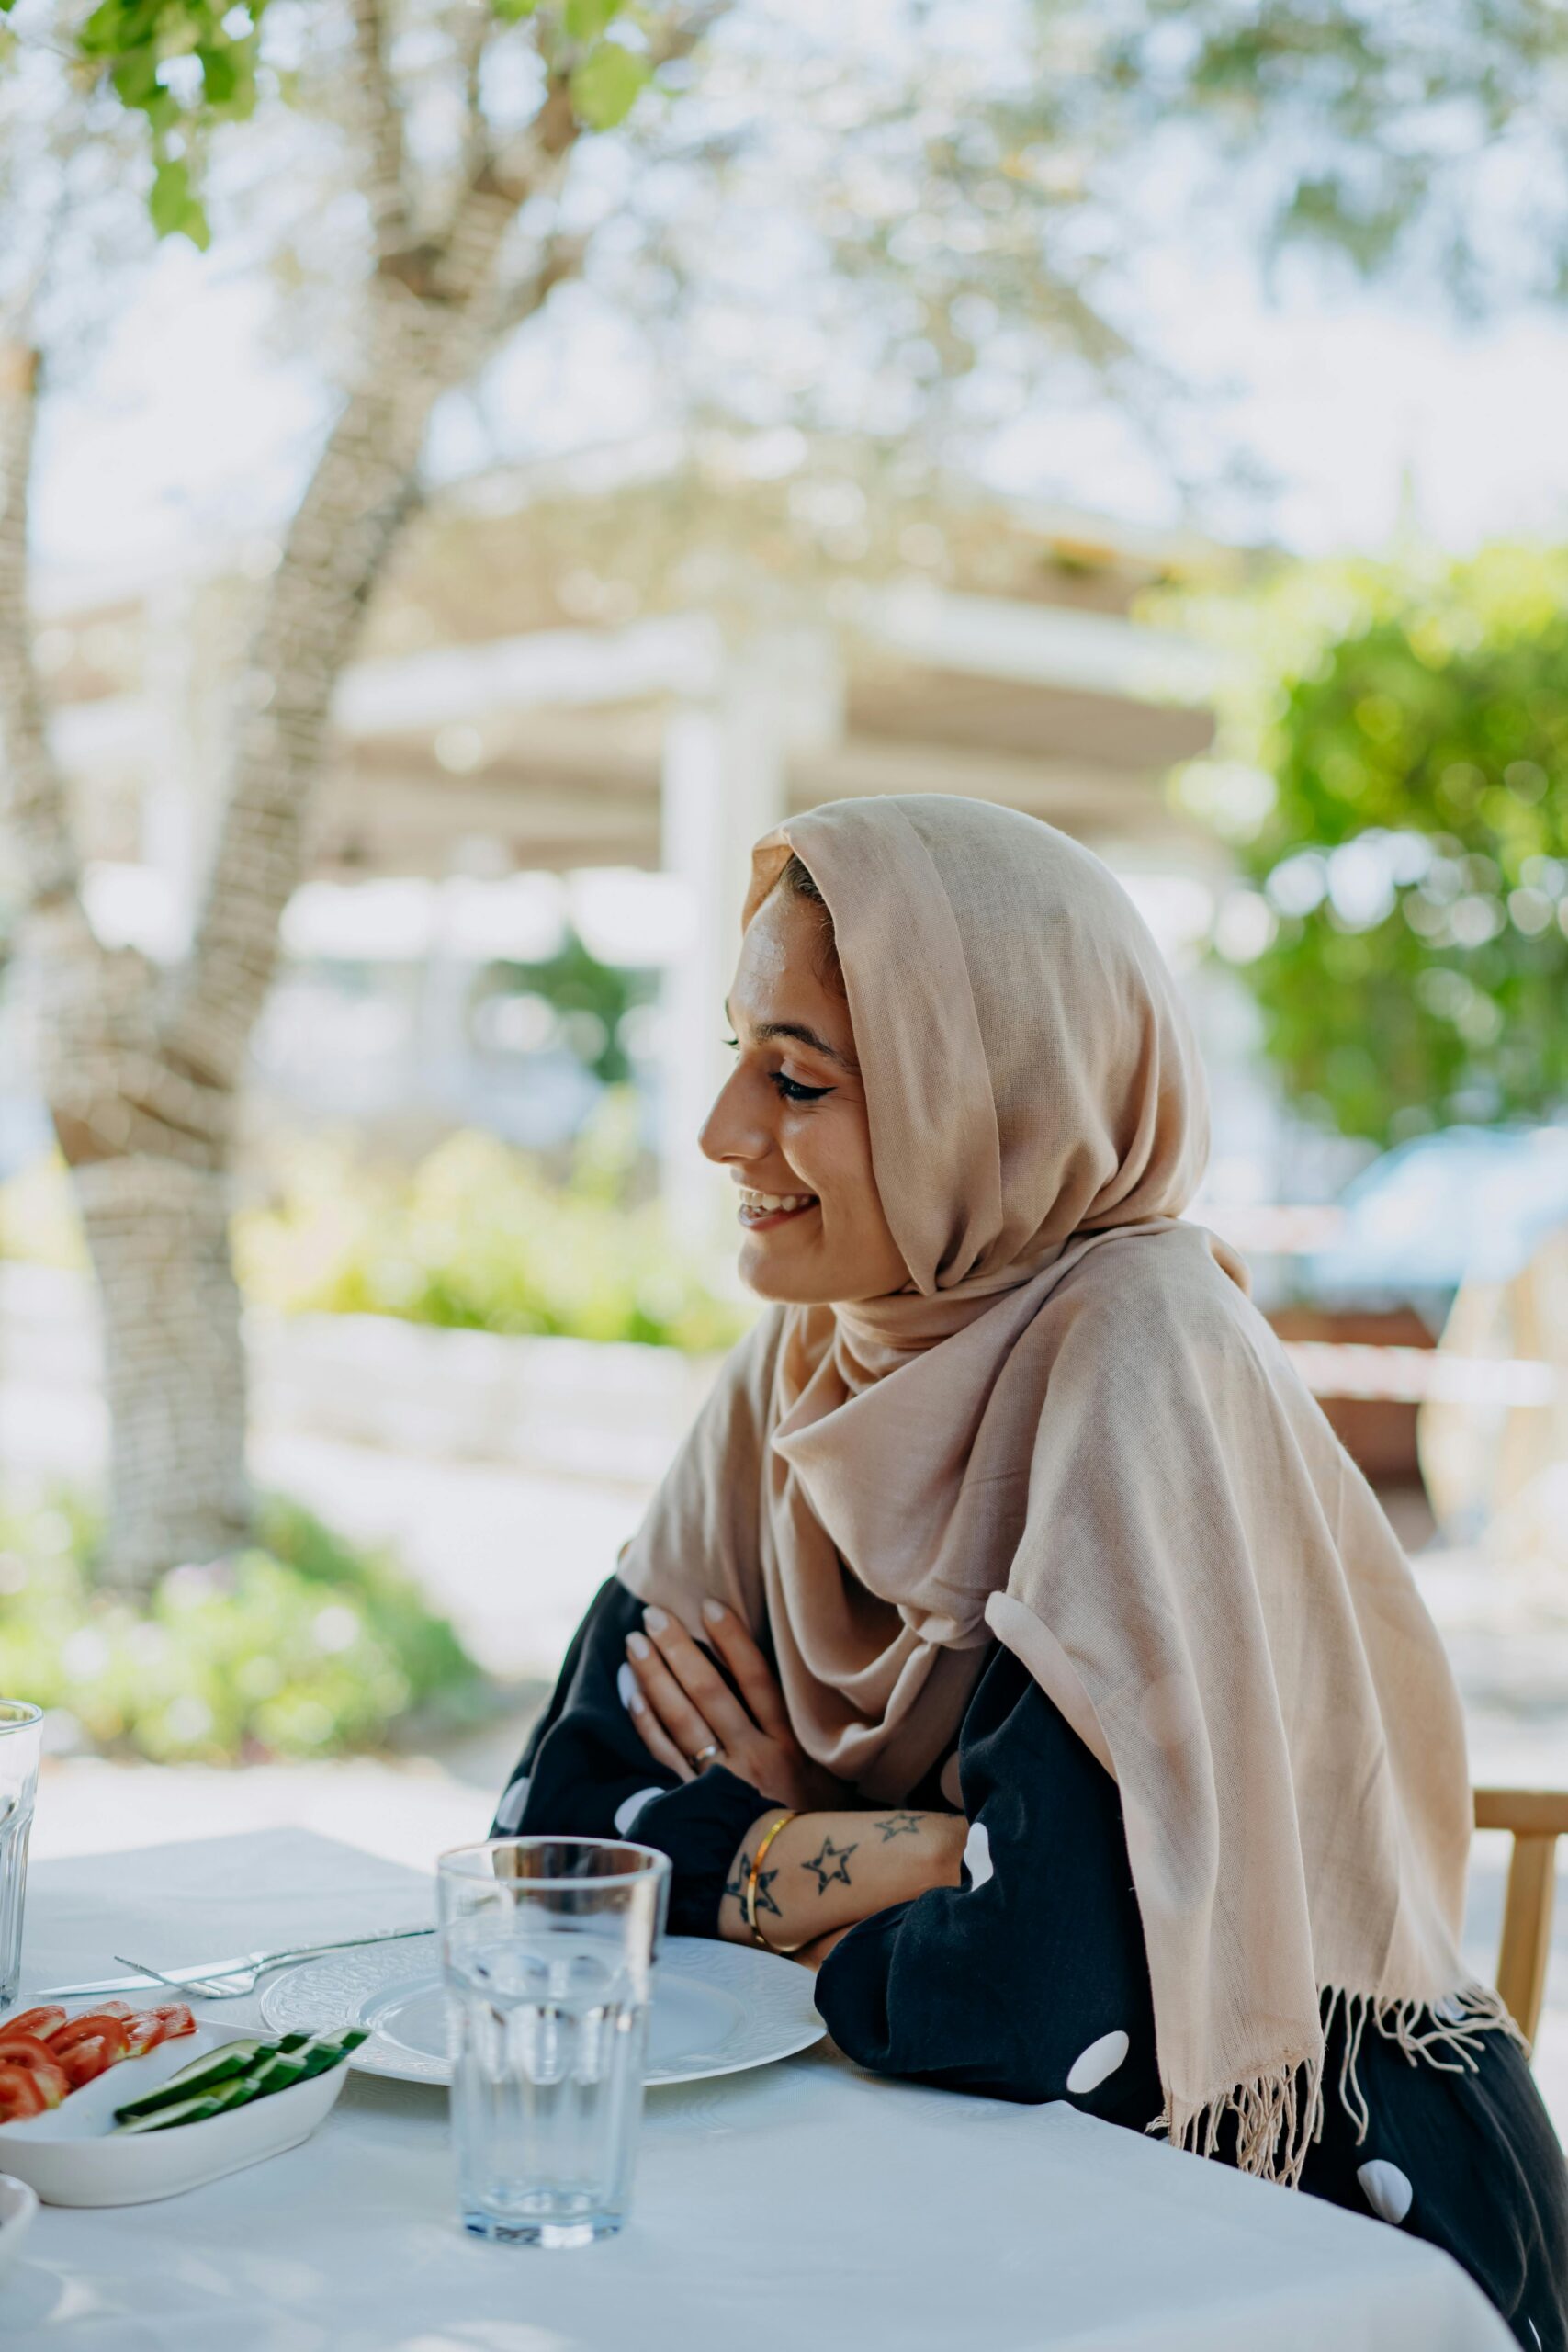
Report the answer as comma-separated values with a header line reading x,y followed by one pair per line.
x,y
547,1945
19,1737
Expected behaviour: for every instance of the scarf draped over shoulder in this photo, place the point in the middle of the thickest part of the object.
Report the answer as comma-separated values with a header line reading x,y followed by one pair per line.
x,y
1072,1432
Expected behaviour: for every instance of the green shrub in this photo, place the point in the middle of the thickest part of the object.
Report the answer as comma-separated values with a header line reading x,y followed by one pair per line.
x,y
1406,940
476,1240
299,1647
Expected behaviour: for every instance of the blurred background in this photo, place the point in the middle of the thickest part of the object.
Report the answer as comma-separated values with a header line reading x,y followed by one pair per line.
x,y
467,468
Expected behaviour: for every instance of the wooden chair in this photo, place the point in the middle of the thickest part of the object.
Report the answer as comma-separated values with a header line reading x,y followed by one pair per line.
x,y
1537,1818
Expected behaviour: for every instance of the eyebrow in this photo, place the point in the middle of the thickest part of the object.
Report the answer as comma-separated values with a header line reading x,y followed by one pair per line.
x,y
800,1032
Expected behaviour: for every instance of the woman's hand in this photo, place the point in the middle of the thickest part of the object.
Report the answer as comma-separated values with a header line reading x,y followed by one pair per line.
x,y
681,1704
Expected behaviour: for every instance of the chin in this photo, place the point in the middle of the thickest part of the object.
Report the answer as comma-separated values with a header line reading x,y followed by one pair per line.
x,y
764,1271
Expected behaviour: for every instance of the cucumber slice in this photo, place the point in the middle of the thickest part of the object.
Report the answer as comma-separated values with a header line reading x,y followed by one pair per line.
x,y
205,2073
233,2076
278,2073
333,2049
185,2110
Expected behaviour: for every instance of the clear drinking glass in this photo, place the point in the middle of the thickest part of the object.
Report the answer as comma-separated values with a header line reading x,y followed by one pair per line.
x,y
547,1945
19,1736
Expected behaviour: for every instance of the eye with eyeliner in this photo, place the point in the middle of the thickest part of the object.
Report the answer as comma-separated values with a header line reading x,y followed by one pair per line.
x,y
789,1089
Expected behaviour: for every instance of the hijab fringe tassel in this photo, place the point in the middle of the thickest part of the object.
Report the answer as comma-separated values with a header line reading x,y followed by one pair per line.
x,y
1277,2116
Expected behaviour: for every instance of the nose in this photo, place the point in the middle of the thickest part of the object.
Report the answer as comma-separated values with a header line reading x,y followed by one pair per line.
x,y
735,1129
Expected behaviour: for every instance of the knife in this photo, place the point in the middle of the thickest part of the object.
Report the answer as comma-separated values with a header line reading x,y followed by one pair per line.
x,y
230,1967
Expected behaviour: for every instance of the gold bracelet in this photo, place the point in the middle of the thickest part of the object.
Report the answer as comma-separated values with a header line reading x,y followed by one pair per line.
x,y
753,1881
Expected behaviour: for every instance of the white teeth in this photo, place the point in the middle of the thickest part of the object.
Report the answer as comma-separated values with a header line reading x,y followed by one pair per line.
x,y
769,1202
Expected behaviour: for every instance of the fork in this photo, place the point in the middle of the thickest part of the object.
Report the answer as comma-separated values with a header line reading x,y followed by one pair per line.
x,y
235,1982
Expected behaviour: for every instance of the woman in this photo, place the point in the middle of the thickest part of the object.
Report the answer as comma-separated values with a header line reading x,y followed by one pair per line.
x,y
1011,1639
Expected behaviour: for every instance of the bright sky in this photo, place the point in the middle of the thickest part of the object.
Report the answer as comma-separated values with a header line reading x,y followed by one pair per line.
x,y
190,423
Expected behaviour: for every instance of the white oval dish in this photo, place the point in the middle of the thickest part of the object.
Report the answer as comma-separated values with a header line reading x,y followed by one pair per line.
x,y
18,2203
73,2155
718,2008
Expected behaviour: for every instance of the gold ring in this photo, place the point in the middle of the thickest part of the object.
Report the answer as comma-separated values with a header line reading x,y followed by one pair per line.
x,y
704,1756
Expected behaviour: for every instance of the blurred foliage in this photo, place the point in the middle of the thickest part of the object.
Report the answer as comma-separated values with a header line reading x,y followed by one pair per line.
x,y
1399,803
185,67
301,1646
476,1238
1392,135
1389,135
592,998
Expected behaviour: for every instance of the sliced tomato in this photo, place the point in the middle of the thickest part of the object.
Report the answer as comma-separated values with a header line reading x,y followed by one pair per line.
x,y
89,2044
27,2048
22,2095
177,2019
54,2081
93,2025
147,2028
40,2021
91,2056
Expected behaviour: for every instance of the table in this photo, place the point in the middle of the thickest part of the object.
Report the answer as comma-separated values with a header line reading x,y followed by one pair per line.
x,y
804,2205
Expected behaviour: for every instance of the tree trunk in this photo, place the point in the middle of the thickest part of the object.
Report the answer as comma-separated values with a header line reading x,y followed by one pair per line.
x,y
140,1069
174,1362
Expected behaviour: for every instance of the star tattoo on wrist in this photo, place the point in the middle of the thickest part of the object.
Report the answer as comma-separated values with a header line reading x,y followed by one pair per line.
x,y
822,1865
896,1823
736,1887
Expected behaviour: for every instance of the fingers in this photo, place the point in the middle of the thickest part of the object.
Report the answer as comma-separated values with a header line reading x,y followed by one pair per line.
x,y
649,1729
758,1684
699,1679
677,1716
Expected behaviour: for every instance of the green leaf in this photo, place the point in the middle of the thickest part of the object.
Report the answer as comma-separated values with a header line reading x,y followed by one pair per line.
x,y
116,27
607,84
135,77
220,76
176,210
511,11
171,194
586,19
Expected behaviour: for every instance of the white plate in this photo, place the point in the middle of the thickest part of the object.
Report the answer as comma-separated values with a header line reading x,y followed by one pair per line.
x,y
71,2156
717,2009
17,2206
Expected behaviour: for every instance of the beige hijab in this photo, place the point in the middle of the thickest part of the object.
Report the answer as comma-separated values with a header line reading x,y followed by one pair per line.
x,y
1071,1431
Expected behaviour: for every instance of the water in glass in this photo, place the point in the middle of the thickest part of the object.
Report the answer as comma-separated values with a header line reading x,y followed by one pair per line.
x,y
547,1949
19,1780
550,2038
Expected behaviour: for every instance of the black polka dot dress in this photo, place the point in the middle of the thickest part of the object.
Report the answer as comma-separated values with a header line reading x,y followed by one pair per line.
x,y
1029,1980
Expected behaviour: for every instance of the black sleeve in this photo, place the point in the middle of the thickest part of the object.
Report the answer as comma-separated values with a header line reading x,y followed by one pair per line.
x,y
1029,1981
586,1773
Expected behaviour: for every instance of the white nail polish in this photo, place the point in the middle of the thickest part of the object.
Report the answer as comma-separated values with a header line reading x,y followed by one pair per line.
x,y
655,1619
715,1611
640,1645
626,1684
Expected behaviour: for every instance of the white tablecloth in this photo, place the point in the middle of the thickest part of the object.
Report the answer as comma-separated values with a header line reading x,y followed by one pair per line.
x,y
804,2205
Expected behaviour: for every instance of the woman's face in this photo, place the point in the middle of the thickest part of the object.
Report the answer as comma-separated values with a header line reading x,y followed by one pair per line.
x,y
790,1126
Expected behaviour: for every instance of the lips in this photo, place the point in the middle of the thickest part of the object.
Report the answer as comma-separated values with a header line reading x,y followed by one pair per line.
x,y
772,1209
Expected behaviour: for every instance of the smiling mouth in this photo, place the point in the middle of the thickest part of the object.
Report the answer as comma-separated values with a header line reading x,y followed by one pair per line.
x,y
761,1210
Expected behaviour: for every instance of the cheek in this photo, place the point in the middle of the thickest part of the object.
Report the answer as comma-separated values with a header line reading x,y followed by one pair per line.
x,y
832,1158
